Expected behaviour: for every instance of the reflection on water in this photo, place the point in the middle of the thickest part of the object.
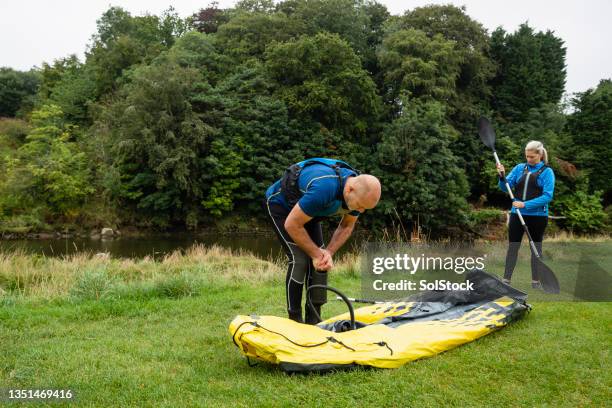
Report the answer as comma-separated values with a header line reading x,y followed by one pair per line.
x,y
261,245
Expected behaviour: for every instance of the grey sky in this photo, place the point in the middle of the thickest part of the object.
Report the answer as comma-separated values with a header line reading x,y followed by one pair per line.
x,y
33,31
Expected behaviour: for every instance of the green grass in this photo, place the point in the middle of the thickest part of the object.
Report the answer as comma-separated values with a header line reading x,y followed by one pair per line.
x,y
155,333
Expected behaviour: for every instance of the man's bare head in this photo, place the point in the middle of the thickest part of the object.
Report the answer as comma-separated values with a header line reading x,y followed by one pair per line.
x,y
362,192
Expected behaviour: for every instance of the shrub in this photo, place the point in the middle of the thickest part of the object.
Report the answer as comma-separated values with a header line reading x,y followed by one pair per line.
x,y
584,212
485,216
176,287
93,284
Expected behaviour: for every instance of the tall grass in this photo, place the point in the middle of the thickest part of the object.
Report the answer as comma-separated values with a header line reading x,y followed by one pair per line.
x,y
181,273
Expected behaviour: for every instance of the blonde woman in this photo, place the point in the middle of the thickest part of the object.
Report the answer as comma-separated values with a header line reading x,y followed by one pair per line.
x,y
533,183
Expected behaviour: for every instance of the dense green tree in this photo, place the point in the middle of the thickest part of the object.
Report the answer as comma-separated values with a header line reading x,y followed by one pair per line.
x,y
590,127
321,78
12,135
48,170
472,85
159,143
51,74
421,179
247,35
552,52
471,42
161,126
256,6
122,41
69,84
17,90
347,18
259,123
199,51
531,71
419,66
377,15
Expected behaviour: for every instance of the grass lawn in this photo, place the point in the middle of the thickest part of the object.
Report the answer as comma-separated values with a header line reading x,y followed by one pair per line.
x,y
155,333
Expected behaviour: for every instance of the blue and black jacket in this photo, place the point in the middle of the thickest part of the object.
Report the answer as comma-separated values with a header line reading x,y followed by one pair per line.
x,y
534,185
321,188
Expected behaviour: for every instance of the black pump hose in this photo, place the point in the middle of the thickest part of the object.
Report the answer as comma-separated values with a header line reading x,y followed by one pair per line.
x,y
337,292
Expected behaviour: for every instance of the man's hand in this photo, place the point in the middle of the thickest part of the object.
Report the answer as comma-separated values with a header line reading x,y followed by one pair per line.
x,y
518,204
294,224
324,262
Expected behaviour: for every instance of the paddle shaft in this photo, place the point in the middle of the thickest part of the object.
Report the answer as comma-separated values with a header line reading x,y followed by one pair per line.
x,y
518,211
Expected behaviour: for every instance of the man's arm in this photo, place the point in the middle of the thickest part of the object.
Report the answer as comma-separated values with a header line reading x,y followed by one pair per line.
x,y
341,234
294,225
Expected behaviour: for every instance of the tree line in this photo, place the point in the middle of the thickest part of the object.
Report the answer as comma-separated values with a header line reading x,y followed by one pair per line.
x,y
173,122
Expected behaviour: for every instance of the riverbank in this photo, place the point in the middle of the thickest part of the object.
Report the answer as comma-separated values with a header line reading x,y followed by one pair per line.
x,y
154,332
486,223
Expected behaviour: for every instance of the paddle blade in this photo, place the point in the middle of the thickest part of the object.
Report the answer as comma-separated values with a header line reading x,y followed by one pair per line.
x,y
547,277
486,132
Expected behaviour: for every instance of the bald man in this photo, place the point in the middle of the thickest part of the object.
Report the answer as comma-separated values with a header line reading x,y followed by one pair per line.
x,y
308,192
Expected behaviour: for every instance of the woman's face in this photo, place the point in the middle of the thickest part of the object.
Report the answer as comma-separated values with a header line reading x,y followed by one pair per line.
x,y
533,157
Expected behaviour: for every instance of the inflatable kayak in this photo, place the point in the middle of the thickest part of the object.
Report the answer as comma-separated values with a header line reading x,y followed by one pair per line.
x,y
387,335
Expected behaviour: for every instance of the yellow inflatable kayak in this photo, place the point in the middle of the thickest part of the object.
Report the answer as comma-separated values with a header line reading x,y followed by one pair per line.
x,y
388,335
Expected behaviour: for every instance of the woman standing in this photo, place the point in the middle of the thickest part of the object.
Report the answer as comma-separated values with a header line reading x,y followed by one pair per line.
x,y
533,183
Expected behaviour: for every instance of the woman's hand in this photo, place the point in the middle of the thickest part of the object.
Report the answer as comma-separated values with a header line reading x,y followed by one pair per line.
x,y
500,169
518,204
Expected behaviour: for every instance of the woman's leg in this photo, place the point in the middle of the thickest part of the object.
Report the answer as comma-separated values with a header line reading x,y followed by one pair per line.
x,y
515,234
536,225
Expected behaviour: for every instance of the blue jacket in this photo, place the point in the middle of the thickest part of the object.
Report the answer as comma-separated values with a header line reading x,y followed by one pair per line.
x,y
539,205
319,183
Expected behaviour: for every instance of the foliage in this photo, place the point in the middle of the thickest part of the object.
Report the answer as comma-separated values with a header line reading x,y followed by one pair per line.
x,y
472,87
248,34
531,71
583,211
422,180
347,18
321,78
158,142
478,218
419,66
12,133
69,84
471,43
123,41
172,122
208,20
17,91
47,170
198,51
590,127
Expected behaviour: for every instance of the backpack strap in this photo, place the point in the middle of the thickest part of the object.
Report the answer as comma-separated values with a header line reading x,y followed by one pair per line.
x,y
289,181
537,173
541,170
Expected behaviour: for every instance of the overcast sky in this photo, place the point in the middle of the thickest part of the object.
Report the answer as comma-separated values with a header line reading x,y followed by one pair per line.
x,y
36,31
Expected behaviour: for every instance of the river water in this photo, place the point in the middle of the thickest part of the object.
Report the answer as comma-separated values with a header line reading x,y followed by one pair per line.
x,y
261,245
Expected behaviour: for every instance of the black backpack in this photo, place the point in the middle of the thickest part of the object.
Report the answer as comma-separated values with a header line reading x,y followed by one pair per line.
x,y
289,181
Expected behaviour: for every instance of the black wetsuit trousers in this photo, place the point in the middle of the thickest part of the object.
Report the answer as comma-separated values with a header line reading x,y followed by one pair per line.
x,y
536,225
301,269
